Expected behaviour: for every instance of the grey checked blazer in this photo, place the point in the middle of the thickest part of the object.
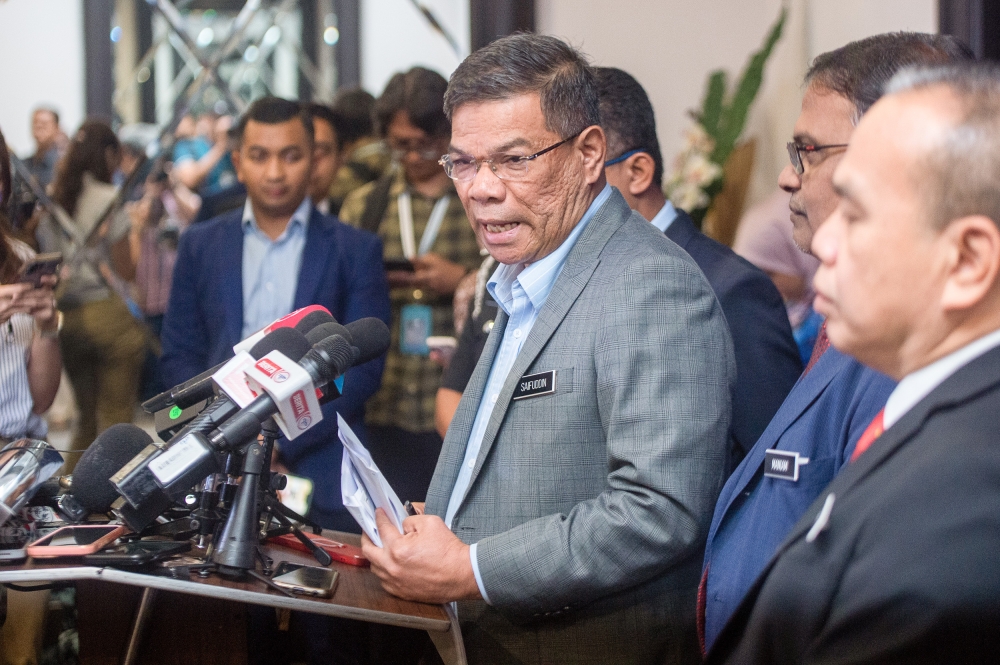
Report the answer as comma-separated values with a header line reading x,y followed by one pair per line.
x,y
591,505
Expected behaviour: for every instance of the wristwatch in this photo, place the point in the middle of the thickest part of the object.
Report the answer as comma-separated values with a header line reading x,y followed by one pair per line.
x,y
53,334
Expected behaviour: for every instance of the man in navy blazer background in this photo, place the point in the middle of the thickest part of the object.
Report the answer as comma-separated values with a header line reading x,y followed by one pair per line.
x,y
767,361
239,272
815,431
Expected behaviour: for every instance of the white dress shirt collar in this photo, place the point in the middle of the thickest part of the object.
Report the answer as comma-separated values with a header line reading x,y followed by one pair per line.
x,y
917,385
664,218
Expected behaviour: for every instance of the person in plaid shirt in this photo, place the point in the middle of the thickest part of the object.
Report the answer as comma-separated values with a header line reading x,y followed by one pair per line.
x,y
422,225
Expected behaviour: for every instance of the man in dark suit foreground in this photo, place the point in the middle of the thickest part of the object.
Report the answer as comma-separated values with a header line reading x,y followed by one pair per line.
x,y
569,505
814,432
898,560
767,360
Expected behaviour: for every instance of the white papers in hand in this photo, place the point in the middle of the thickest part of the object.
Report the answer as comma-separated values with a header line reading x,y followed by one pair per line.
x,y
363,487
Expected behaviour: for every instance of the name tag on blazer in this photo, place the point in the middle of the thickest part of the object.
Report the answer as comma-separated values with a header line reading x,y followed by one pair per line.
x,y
535,385
783,464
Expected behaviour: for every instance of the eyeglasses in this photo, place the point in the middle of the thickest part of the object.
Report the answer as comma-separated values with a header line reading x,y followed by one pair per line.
x,y
622,157
422,149
505,167
795,151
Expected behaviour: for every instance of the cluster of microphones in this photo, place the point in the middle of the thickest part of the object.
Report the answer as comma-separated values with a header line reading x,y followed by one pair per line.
x,y
284,372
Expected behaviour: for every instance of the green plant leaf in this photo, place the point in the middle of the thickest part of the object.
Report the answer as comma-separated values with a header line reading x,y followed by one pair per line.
x,y
734,115
711,108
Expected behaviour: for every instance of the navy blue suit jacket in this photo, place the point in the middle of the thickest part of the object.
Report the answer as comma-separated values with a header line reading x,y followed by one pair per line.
x,y
767,360
822,419
341,270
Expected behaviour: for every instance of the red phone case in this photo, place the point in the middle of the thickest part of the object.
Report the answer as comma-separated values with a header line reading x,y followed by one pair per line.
x,y
348,554
39,550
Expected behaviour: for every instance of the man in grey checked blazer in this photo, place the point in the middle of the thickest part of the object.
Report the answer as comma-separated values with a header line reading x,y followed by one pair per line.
x,y
578,501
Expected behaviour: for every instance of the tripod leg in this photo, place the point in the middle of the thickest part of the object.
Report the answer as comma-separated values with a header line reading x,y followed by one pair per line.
x,y
321,555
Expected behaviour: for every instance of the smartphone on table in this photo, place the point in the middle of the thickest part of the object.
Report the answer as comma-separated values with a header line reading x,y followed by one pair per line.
x,y
12,553
306,580
40,266
138,552
78,540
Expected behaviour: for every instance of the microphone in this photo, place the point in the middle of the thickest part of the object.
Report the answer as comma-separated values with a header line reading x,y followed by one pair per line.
x,y
190,457
370,336
287,321
90,491
183,402
321,332
200,387
134,478
314,319
286,340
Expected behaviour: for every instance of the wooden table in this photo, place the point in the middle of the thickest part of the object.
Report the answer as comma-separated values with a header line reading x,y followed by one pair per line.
x,y
358,595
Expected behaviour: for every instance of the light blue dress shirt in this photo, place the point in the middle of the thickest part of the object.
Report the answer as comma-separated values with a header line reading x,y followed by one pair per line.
x,y
664,218
520,290
271,268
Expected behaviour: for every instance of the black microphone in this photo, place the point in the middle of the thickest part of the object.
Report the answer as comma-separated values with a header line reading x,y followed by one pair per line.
x,y
370,336
90,491
327,360
138,483
200,387
313,320
321,332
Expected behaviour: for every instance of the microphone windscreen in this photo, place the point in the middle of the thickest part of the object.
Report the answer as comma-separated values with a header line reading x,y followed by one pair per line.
x,y
313,319
319,333
287,340
371,337
111,450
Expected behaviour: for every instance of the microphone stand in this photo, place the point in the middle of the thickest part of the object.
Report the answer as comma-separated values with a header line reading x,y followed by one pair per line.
x,y
237,547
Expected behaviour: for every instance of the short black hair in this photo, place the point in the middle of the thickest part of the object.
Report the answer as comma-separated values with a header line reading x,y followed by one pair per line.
x,y
420,94
627,117
861,70
525,63
274,111
356,107
330,117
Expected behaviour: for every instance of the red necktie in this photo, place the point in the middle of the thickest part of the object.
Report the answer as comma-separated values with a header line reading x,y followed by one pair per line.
x,y
819,348
702,591
872,432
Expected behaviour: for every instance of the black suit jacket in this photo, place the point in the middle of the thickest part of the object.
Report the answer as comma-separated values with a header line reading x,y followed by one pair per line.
x,y
907,568
767,360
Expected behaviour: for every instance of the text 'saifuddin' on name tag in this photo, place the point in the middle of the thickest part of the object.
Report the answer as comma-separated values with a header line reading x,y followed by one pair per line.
x,y
783,464
533,385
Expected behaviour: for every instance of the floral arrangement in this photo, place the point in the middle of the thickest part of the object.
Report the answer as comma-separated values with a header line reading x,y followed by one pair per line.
x,y
698,175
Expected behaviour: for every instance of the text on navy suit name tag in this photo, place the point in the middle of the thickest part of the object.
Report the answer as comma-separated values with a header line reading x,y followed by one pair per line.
x,y
783,464
533,385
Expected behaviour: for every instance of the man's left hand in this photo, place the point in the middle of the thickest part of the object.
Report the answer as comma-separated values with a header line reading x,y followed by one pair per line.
x,y
426,563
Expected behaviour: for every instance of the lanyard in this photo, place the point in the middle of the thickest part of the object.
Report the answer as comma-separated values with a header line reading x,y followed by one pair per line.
x,y
406,233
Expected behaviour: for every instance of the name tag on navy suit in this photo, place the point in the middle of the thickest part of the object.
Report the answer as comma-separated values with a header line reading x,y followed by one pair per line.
x,y
535,385
783,464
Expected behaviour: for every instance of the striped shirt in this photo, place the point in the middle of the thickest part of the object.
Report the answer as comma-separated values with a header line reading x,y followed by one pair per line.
x,y
16,334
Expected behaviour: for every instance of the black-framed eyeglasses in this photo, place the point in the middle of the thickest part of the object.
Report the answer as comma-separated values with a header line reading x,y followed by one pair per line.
x,y
795,151
505,167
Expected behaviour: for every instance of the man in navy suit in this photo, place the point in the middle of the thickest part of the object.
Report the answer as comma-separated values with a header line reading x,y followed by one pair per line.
x,y
814,432
767,361
898,559
240,271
